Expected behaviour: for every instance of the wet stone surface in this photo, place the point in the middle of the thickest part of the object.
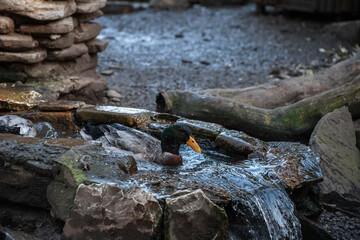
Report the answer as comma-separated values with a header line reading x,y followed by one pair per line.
x,y
200,48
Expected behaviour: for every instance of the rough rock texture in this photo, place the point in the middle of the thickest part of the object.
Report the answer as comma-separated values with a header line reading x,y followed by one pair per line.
x,y
62,26
333,139
87,31
62,41
33,56
17,42
71,52
108,211
97,45
87,17
90,6
6,25
39,9
191,215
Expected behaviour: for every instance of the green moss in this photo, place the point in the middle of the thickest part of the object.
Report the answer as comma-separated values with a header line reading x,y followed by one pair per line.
x,y
69,161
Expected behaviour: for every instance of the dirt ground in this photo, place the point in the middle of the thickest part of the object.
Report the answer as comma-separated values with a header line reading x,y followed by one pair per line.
x,y
221,47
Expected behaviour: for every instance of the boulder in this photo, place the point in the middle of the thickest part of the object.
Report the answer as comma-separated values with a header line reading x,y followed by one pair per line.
x,y
59,42
87,31
6,25
69,53
97,45
90,6
40,9
333,139
17,42
191,215
87,17
108,211
33,56
62,26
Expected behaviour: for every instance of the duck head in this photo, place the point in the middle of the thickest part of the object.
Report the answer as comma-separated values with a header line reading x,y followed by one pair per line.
x,y
172,137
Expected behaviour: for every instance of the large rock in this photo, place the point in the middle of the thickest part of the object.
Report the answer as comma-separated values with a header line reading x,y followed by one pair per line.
x,y
333,139
191,215
33,56
6,25
58,41
87,31
90,6
69,53
108,211
17,42
40,9
62,26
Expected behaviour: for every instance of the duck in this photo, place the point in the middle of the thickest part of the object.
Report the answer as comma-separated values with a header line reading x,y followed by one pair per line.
x,y
144,147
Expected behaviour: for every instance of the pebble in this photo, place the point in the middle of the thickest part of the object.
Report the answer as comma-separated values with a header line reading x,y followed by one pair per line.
x,y
113,94
115,99
107,72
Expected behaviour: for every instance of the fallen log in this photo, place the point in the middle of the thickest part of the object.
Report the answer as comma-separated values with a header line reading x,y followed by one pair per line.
x,y
291,122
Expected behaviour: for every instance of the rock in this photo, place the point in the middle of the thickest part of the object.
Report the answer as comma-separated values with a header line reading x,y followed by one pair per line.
x,y
108,211
17,42
87,17
234,144
14,99
17,125
87,31
61,26
312,230
69,53
6,25
11,75
97,45
40,9
64,41
60,105
172,4
8,234
333,139
191,215
107,72
33,56
113,94
90,6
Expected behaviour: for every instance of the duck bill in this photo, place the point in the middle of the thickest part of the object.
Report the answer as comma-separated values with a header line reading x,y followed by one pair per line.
x,y
192,143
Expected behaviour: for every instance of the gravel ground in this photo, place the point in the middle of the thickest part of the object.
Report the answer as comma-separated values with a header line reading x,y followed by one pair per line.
x,y
199,48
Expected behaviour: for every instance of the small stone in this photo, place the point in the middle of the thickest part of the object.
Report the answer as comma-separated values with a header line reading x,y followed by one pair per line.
x,y
62,26
90,6
63,41
69,53
16,41
33,56
116,100
107,72
87,31
113,94
6,25
60,105
97,45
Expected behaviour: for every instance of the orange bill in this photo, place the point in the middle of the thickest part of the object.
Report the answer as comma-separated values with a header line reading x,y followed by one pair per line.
x,y
192,143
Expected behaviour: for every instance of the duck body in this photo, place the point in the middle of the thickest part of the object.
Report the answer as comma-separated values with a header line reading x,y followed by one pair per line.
x,y
145,147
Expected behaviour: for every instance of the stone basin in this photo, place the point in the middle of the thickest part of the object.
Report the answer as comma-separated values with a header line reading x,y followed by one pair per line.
x,y
251,180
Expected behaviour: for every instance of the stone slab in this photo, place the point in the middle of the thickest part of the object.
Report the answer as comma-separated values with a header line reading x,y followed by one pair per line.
x,y
40,9
87,17
69,53
62,41
33,56
89,7
62,26
6,25
333,139
17,42
97,45
87,31
60,105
